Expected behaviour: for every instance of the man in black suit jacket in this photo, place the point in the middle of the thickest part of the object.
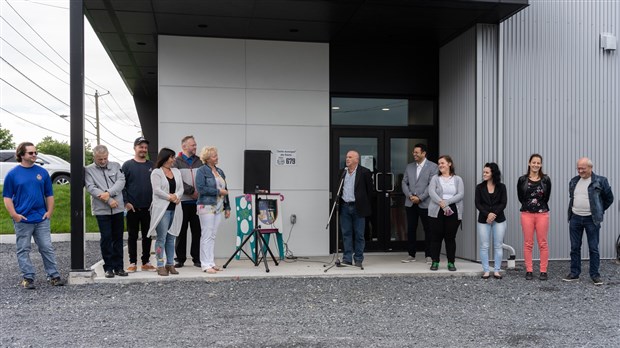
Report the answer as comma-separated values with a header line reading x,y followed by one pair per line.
x,y
355,207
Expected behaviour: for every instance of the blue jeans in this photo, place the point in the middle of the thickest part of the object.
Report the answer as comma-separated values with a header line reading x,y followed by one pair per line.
x,y
111,228
43,238
498,229
164,245
352,226
577,225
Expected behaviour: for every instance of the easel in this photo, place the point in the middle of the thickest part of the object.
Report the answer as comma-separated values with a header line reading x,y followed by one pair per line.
x,y
261,245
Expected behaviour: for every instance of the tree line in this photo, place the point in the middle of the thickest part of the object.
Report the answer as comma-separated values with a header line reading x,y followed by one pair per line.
x,y
47,145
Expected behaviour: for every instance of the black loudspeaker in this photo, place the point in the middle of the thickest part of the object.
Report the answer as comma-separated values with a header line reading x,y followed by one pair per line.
x,y
256,171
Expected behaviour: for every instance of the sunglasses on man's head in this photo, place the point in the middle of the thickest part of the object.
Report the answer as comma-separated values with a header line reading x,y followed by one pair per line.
x,y
32,153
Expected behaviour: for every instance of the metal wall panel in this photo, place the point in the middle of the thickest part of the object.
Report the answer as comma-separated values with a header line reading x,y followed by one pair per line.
x,y
560,99
457,124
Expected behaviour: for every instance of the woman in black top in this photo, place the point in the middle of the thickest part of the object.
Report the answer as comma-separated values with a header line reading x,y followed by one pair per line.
x,y
491,201
534,190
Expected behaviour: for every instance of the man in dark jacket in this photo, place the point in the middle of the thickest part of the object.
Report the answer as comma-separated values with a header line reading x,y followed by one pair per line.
x,y
188,163
590,196
355,207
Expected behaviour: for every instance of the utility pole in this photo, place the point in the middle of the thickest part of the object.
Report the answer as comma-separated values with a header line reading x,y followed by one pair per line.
x,y
97,95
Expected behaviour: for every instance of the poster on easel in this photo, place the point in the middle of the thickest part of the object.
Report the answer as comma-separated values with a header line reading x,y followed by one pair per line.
x,y
269,217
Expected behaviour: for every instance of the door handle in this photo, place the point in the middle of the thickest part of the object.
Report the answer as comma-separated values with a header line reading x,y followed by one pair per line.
x,y
392,177
377,181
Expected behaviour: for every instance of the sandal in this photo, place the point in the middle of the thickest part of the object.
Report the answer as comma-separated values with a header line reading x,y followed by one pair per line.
x,y
217,268
497,276
486,276
210,270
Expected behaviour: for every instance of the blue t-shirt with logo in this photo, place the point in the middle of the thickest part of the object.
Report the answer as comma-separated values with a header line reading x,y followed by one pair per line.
x,y
28,188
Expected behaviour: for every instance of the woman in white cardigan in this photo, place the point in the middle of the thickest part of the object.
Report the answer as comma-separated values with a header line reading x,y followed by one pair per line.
x,y
445,211
166,212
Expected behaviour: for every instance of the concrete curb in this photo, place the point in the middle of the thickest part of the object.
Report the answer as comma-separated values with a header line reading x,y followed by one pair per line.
x,y
57,237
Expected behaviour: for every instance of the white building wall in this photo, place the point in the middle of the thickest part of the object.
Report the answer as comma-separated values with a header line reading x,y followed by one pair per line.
x,y
560,98
256,95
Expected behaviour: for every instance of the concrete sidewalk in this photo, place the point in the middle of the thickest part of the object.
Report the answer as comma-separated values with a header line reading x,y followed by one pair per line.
x,y
375,265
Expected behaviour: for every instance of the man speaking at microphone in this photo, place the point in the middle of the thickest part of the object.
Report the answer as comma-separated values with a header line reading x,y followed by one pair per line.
x,y
354,208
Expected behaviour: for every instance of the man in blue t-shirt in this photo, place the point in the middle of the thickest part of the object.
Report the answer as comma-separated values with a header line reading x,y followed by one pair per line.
x,y
29,199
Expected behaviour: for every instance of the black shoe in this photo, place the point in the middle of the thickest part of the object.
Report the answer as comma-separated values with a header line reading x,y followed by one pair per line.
x,y
543,276
109,274
451,267
121,273
197,264
348,263
178,265
570,277
27,283
597,280
434,266
529,276
358,264
56,281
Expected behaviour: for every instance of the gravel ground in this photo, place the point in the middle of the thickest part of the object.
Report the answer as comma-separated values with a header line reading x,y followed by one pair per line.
x,y
402,311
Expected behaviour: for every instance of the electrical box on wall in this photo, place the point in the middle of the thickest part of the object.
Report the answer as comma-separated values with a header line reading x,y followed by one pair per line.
x,y
609,41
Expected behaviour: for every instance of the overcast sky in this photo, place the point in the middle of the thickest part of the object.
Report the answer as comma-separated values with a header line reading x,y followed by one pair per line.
x,y
34,112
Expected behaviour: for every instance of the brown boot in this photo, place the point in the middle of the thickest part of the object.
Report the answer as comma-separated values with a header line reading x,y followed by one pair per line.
x,y
171,269
162,271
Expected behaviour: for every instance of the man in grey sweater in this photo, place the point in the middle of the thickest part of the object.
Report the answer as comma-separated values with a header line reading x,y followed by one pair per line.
x,y
105,182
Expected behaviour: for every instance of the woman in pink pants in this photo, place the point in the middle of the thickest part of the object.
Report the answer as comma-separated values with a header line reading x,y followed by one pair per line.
x,y
534,190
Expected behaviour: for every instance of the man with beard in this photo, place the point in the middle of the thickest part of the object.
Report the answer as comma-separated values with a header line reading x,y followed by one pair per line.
x,y
188,163
138,195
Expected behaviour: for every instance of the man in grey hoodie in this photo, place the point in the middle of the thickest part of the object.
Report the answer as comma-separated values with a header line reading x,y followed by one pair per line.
x,y
105,182
188,163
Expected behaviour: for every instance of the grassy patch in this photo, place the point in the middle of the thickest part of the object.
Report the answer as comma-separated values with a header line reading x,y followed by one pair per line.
x,y
61,220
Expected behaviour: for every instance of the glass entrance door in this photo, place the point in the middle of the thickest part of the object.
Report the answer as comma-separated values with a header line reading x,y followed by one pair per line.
x,y
386,153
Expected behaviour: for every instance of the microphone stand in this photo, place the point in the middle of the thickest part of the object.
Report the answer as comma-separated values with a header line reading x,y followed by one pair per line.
x,y
336,207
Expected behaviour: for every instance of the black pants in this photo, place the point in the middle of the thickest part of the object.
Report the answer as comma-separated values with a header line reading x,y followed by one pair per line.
x,y
189,219
137,221
111,228
444,228
413,213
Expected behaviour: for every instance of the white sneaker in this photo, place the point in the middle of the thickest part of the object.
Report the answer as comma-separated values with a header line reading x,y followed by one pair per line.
x,y
408,259
429,260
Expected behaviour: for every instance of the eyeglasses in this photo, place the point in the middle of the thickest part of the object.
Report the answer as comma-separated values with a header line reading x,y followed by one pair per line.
x,y
32,153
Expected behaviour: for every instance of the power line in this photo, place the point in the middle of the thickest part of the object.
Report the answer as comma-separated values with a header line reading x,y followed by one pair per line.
x,y
35,63
33,46
34,124
29,26
34,100
44,4
48,45
34,83
123,111
53,96
133,123
118,118
59,115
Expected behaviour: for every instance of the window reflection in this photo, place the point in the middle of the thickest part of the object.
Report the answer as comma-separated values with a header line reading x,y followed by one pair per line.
x,y
381,112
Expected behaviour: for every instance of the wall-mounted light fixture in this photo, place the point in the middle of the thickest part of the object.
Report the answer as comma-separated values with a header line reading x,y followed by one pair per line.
x,y
609,42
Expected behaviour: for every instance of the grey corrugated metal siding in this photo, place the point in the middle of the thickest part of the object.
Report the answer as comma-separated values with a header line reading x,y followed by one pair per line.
x,y
457,124
560,99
